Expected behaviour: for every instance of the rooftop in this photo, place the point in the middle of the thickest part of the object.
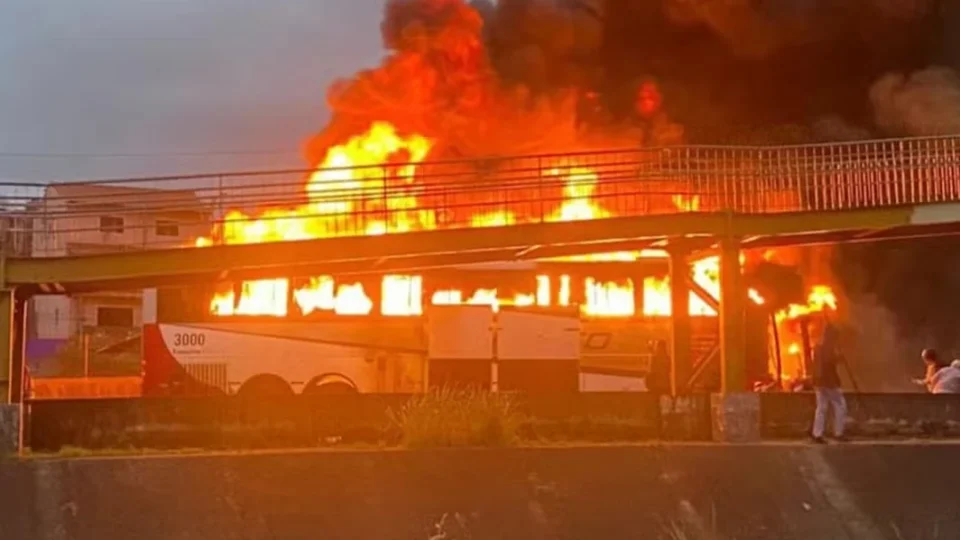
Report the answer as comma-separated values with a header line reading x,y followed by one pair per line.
x,y
83,194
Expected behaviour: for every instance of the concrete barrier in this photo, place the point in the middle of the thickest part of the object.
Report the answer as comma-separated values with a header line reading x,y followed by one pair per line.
x,y
874,416
720,492
303,421
9,429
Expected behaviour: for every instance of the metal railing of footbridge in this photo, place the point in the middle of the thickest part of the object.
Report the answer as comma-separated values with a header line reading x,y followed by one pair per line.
x,y
397,197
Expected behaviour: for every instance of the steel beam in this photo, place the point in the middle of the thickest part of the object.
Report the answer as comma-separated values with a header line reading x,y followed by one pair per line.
x,y
13,315
7,336
284,258
806,223
703,294
411,250
681,334
732,318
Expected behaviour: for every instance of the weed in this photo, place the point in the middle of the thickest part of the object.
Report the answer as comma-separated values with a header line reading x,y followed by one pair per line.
x,y
457,418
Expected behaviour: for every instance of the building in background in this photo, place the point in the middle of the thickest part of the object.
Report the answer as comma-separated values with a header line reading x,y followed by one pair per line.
x,y
86,219
16,230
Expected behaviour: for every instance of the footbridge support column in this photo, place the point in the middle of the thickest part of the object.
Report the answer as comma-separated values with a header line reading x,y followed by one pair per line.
x,y
680,332
12,370
736,411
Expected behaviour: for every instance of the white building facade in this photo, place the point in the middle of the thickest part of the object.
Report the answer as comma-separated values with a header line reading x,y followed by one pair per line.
x,y
85,219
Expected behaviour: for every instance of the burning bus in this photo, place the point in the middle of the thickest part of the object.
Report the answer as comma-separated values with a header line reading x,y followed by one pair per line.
x,y
577,323
539,327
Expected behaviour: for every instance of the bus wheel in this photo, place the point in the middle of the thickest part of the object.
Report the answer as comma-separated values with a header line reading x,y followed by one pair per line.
x,y
265,386
329,385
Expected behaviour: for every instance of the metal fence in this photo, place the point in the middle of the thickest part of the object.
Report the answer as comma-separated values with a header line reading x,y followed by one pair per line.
x,y
394,198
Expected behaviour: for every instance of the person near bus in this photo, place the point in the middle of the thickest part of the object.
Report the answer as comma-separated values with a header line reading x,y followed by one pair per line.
x,y
658,379
942,377
827,386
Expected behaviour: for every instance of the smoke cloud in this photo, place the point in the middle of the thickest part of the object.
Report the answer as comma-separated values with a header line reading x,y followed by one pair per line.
x,y
923,103
730,70
762,28
489,79
503,77
880,358
567,74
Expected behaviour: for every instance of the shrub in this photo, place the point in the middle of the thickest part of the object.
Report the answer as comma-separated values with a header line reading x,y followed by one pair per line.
x,y
457,418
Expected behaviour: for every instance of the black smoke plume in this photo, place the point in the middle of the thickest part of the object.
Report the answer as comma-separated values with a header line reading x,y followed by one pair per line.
x,y
730,70
512,76
768,72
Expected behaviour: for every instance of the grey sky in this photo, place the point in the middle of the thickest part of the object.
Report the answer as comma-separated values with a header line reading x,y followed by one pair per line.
x,y
170,77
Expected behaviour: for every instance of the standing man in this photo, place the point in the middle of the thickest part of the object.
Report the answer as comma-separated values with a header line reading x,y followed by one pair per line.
x,y
826,385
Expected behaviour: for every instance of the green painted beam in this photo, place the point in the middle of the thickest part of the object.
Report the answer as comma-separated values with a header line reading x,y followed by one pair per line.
x,y
681,363
423,249
733,297
793,223
285,258
6,343
12,346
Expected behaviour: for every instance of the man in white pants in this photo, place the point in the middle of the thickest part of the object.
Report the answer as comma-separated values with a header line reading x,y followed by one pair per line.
x,y
827,386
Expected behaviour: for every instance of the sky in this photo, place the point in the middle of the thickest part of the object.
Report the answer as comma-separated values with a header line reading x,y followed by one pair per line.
x,y
127,88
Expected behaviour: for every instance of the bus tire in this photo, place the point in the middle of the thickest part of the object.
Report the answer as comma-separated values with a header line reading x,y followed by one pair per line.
x,y
326,385
265,386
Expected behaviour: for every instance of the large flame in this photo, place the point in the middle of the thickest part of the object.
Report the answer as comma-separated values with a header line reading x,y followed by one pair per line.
x,y
821,300
706,274
345,196
367,186
339,194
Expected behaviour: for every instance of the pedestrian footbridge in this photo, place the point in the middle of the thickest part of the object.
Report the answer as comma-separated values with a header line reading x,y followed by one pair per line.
x,y
497,210
400,217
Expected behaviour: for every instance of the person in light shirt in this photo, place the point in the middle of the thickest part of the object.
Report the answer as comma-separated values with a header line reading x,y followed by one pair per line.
x,y
941,377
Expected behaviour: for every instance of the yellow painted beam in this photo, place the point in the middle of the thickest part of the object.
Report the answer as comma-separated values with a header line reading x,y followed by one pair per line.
x,y
747,225
732,318
681,363
6,343
421,249
285,258
12,346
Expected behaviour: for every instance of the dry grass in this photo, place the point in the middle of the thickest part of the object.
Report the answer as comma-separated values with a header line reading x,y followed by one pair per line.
x,y
450,418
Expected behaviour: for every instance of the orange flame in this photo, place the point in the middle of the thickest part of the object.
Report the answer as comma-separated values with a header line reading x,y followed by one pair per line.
x,y
687,204
402,296
578,204
338,202
820,300
706,274
609,299
352,191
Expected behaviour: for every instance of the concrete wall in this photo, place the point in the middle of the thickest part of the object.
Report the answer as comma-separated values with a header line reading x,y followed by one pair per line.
x,y
300,422
225,422
52,317
748,492
873,416
66,233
